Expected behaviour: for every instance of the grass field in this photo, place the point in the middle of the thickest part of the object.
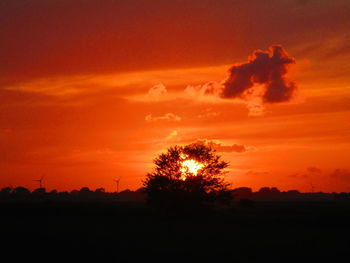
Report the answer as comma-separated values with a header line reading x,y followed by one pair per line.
x,y
265,231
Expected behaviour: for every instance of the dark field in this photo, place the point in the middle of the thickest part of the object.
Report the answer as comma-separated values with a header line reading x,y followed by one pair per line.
x,y
259,232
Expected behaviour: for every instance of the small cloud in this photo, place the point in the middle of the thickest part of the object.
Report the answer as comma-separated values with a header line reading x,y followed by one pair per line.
x,y
166,117
340,174
255,107
313,169
174,134
299,175
207,113
157,91
218,146
311,172
254,102
256,173
210,89
293,175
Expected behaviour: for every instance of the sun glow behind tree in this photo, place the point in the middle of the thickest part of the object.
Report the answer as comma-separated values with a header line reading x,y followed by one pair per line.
x,y
190,175
190,167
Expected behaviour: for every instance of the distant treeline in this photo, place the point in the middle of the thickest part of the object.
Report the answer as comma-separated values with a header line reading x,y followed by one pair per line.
x,y
242,194
84,194
274,194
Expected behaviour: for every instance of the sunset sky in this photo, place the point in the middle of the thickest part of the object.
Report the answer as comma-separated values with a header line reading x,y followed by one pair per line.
x,y
94,90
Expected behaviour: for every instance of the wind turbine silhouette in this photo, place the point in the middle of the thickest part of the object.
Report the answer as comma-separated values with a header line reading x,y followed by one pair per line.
x,y
116,180
312,187
40,181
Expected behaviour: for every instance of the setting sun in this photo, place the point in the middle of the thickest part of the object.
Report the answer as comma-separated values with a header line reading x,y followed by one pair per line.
x,y
190,167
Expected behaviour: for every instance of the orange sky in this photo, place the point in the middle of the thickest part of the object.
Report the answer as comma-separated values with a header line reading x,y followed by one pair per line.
x,y
94,90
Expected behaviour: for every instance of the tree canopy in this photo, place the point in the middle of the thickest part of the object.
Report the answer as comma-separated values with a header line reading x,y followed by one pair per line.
x,y
187,176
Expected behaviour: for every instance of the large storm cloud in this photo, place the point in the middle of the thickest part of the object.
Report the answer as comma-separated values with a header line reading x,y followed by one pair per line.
x,y
265,68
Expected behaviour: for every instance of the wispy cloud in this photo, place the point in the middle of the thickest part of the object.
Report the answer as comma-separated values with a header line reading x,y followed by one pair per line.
x,y
207,113
172,135
165,117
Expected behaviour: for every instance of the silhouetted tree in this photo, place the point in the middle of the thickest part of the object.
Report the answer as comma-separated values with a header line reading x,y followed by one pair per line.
x,y
243,192
39,191
100,190
74,192
6,190
187,176
85,190
20,191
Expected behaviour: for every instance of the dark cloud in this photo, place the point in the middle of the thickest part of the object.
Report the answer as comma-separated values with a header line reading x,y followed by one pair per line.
x,y
257,173
340,174
238,148
313,169
266,68
263,79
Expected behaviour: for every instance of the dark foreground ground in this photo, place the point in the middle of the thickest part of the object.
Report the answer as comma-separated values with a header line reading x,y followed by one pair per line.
x,y
131,232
